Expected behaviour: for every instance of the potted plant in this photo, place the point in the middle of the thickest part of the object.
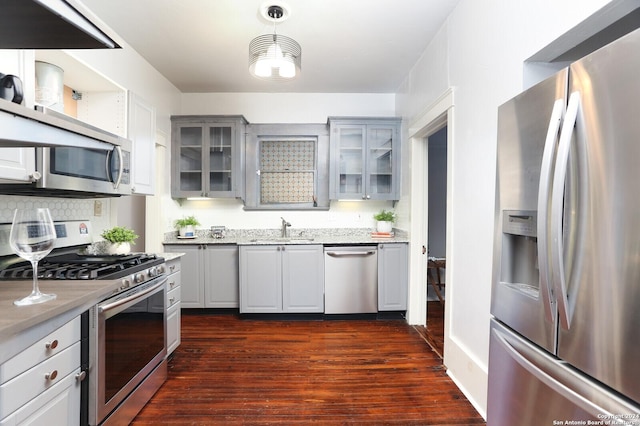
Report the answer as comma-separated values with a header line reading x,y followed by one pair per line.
x,y
120,239
385,219
186,226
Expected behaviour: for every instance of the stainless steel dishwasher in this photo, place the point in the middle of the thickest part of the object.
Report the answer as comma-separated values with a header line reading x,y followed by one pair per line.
x,y
350,279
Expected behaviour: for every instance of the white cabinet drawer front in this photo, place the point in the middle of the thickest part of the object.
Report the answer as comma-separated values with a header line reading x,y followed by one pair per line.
x,y
45,348
28,385
59,405
173,281
173,266
173,297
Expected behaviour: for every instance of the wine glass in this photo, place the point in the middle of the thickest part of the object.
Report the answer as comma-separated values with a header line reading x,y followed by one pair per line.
x,y
32,238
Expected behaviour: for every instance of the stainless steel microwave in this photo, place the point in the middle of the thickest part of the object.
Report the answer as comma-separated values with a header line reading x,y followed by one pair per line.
x,y
86,169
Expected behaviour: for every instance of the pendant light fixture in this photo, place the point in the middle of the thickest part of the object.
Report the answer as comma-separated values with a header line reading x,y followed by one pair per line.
x,y
274,56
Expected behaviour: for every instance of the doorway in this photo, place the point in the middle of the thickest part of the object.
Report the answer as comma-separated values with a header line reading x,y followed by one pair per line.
x,y
436,237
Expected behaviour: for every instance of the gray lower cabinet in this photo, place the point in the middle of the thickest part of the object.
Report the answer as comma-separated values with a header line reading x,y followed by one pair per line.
x,y
281,278
393,276
209,275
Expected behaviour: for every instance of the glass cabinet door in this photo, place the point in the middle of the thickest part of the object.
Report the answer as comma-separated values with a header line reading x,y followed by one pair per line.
x,y
220,156
379,161
208,156
191,165
351,151
365,158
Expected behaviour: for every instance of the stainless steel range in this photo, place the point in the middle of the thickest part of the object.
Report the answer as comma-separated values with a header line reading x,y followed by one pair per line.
x,y
124,356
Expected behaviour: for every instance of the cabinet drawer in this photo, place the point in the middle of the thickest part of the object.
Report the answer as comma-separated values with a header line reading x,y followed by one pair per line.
x,y
173,281
59,405
45,348
20,390
173,297
173,266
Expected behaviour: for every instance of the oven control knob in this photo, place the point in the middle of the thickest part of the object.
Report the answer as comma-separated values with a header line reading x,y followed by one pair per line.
x,y
125,284
138,278
153,272
160,269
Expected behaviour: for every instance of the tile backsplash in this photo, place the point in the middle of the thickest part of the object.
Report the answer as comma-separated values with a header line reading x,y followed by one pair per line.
x,y
61,209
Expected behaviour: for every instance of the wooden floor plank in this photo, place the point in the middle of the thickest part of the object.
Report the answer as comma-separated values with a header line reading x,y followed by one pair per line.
x,y
231,370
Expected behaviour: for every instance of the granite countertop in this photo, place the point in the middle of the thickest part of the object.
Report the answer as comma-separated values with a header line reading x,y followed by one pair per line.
x,y
327,236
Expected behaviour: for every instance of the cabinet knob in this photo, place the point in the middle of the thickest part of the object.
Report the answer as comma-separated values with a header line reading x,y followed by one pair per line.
x,y
52,375
171,300
51,345
81,376
368,197
172,283
172,268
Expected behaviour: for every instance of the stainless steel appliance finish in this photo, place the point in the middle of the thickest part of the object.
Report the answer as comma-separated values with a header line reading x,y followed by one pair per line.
x,y
566,275
350,280
127,351
78,171
25,127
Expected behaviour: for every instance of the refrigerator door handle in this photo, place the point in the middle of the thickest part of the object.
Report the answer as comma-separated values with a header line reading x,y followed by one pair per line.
x,y
544,199
565,305
565,381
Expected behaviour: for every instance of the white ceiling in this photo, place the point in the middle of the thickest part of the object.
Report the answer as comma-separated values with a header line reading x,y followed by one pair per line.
x,y
348,46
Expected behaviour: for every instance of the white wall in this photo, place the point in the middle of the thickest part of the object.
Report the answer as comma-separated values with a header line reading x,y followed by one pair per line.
x,y
479,52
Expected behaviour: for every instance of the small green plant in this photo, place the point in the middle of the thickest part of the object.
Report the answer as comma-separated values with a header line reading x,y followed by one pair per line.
x,y
385,216
119,234
186,221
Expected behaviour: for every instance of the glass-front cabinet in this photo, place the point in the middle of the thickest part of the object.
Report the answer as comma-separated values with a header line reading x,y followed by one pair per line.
x,y
365,158
207,156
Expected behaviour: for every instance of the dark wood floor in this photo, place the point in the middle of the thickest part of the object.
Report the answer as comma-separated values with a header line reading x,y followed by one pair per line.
x,y
238,371
433,333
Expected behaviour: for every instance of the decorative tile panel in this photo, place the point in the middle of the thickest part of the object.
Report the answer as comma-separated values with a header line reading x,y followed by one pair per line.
x,y
287,171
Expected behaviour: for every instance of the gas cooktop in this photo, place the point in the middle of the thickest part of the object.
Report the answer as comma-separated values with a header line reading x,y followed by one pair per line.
x,y
73,266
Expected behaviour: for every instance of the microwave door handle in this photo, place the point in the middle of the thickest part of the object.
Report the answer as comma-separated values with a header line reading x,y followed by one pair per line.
x,y
118,151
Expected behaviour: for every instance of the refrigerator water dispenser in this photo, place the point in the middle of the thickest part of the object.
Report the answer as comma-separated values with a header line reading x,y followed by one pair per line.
x,y
519,266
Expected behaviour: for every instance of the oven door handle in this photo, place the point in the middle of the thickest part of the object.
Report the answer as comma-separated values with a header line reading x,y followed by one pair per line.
x,y
109,306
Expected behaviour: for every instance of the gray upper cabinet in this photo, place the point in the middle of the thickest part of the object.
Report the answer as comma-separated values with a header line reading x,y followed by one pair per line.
x,y
365,158
207,156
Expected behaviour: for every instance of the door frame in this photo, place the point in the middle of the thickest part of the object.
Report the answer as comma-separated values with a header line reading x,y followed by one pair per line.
x,y
435,117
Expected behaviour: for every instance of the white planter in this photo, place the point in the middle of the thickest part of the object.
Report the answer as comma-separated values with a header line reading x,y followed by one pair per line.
x,y
119,248
187,231
384,226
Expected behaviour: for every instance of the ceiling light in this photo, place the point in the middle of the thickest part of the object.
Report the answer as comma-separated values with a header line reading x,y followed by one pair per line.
x,y
274,56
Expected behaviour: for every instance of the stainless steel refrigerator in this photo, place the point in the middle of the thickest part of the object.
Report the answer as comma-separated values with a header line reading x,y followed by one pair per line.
x,y
565,303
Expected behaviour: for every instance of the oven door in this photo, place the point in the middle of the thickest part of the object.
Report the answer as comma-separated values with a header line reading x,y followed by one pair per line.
x,y
85,170
129,342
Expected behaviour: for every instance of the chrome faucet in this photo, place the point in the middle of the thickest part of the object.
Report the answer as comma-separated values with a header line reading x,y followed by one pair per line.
x,y
283,229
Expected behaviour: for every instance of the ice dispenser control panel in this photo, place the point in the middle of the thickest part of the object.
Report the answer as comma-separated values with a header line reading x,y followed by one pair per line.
x,y
520,222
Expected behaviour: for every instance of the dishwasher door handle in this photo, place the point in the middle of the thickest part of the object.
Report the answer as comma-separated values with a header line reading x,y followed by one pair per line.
x,y
350,253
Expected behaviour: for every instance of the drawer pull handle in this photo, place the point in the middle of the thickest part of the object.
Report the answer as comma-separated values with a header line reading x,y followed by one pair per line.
x,y
81,376
172,283
172,267
51,376
52,345
171,300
